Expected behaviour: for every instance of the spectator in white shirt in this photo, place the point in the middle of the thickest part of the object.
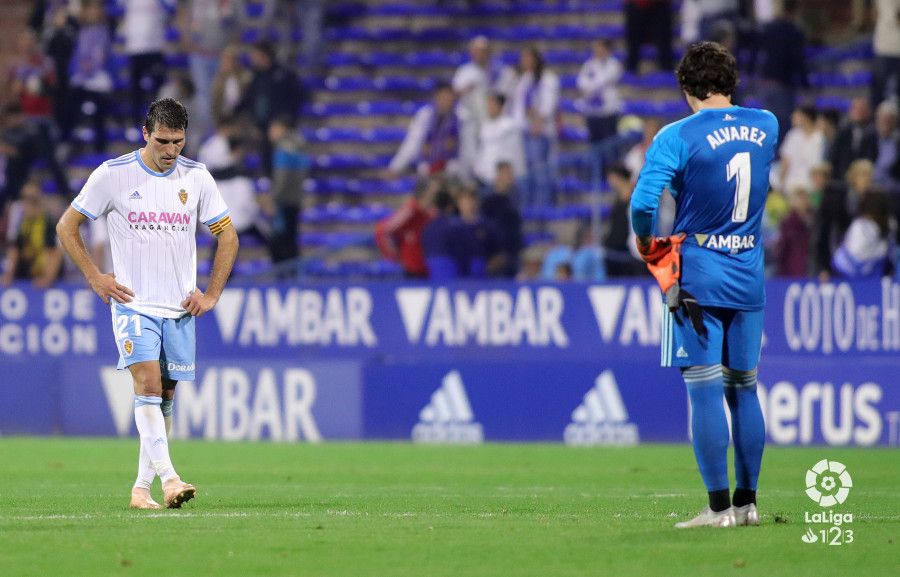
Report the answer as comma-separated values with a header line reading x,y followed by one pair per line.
x,y
535,104
886,46
432,142
475,79
500,139
473,82
598,84
802,150
536,92
601,104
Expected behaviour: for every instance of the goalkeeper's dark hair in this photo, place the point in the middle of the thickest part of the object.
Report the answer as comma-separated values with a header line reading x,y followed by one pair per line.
x,y
166,112
707,68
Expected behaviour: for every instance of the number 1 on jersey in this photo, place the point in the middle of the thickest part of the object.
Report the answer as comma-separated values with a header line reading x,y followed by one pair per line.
x,y
739,167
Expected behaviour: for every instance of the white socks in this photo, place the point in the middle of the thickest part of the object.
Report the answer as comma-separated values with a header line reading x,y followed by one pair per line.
x,y
146,473
153,429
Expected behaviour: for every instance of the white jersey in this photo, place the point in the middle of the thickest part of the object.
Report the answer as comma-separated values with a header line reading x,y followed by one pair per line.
x,y
152,221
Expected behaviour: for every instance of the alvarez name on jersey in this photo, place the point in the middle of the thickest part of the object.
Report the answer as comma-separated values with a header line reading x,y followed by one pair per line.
x,y
716,164
152,220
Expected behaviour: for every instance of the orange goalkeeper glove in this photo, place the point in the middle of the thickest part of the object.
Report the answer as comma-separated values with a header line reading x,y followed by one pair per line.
x,y
663,258
654,248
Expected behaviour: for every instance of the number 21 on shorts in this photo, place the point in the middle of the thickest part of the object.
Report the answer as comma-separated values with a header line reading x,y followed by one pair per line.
x,y
122,322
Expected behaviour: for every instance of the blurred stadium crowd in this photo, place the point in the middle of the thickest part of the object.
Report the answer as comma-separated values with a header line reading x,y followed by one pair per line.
x,y
447,139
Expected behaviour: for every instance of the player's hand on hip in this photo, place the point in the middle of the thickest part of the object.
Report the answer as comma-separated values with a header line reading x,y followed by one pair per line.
x,y
198,303
106,287
653,249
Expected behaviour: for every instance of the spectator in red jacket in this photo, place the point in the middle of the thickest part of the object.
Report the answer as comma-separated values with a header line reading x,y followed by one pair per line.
x,y
399,236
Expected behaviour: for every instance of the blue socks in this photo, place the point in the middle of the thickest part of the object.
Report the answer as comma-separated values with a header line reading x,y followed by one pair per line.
x,y
748,429
707,386
709,427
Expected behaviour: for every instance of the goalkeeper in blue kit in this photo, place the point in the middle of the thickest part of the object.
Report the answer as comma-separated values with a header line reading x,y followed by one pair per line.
x,y
716,165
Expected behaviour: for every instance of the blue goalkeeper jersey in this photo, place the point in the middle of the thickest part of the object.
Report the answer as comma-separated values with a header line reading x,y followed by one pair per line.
x,y
716,164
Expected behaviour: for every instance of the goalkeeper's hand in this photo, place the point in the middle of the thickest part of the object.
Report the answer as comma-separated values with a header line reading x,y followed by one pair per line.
x,y
663,258
653,248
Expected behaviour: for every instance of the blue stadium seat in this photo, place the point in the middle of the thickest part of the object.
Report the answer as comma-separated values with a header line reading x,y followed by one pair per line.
x,y
837,102
251,267
351,161
362,108
858,79
539,237
568,133
654,80
254,9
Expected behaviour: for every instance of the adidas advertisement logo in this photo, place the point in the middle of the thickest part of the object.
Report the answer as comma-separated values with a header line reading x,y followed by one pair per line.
x,y
448,418
601,418
135,196
729,117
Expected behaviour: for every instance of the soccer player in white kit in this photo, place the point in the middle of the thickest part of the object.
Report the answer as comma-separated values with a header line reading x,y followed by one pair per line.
x,y
153,199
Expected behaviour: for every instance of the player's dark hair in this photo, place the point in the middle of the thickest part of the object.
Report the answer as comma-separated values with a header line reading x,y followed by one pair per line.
x,y
707,68
166,112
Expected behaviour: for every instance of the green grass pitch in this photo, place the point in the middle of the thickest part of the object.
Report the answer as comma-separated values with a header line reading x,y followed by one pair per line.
x,y
391,510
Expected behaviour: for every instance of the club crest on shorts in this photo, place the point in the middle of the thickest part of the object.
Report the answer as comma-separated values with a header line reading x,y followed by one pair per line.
x,y
128,347
182,196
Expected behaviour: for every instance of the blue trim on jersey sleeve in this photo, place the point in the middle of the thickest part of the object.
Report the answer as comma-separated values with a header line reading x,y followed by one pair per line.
x,y
190,163
83,211
151,172
123,160
120,163
216,219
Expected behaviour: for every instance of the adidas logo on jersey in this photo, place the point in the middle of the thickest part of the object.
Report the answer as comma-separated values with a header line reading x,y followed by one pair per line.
x,y
601,418
135,196
681,353
728,117
448,418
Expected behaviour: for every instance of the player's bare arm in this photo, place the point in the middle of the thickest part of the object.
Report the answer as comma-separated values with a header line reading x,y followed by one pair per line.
x,y
198,302
105,285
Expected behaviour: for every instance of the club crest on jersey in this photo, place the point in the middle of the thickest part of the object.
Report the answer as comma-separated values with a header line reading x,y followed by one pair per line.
x,y
182,196
128,347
